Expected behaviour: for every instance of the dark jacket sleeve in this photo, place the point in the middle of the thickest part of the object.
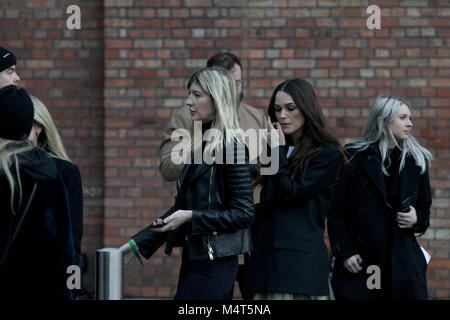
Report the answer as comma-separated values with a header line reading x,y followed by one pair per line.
x,y
321,171
338,215
71,177
423,204
6,221
239,211
75,191
148,240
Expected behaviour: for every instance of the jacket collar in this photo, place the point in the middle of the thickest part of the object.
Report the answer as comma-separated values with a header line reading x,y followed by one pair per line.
x,y
408,178
372,167
38,164
198,171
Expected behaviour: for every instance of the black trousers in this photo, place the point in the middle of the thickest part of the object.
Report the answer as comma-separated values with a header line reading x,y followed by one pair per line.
x,y
207,280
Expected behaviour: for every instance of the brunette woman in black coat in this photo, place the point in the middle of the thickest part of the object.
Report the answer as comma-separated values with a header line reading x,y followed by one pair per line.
x,y
290,258
36,240
382,200
214,205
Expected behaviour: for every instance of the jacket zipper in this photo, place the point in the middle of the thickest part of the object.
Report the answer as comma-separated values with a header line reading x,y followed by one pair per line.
x,y
210,187
210,249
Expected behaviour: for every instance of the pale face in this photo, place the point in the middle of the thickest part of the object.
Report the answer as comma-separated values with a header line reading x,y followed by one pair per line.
x,y
34,134
236,72
9,76
288,115
401,125
200,104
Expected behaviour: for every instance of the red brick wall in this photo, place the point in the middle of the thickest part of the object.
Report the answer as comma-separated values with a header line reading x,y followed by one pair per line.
x,y
137,55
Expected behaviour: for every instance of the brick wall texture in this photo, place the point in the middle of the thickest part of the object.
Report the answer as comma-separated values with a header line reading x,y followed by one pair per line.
x,y
113,85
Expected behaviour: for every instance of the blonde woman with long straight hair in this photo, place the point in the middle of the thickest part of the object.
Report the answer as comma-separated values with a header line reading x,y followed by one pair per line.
x,y
45,135
36,242
382,201
214,205
44,128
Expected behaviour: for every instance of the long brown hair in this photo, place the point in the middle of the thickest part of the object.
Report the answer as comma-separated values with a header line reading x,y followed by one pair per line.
x,y
315,136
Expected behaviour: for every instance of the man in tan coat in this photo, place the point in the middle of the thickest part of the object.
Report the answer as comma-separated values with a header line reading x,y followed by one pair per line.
x,y
248,117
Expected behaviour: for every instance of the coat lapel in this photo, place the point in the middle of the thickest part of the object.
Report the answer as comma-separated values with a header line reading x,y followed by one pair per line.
x,y
182,176
372,166
199,170
408,180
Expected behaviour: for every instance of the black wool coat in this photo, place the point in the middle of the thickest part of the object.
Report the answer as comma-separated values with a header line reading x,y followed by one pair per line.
x,y
35,265
360,221
290,255
71,176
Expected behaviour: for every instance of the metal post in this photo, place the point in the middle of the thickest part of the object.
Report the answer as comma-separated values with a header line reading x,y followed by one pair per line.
x,y
109,274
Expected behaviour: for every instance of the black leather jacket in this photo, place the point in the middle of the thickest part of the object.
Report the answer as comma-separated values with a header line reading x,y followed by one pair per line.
x,y
221,198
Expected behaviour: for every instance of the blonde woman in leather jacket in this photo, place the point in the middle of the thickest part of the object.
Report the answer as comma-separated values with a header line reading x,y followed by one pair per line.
x,y
214,204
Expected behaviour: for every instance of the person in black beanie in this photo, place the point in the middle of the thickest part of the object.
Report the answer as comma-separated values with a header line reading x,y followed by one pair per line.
x,y
8,74
44,129
36,239
16,113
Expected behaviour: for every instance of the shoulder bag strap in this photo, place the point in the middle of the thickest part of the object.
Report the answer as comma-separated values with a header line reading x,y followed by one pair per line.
x,y
25,211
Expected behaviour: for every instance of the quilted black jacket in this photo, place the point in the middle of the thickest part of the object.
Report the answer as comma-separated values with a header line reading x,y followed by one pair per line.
x,y
221,198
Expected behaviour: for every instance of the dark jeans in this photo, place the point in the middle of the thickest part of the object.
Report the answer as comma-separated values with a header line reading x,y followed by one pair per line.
x,y
207,280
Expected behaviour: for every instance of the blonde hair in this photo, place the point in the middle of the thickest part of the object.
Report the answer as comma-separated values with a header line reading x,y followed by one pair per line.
x,y
49,138
9,149
383,112
220,85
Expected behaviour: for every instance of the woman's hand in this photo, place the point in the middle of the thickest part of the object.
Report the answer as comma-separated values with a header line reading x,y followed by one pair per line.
x,y
407,219
353,264
174,221
275,129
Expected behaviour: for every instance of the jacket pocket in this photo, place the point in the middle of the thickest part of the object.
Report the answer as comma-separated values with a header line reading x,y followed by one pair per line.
x,y
292,244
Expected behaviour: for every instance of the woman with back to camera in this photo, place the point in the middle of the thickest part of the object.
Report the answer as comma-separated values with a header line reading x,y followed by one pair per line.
x,y
45,135
290,258
382,200
214,205
36,242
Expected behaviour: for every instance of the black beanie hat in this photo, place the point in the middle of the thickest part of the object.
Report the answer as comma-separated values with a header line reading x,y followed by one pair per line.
x,y
7,59
16,113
